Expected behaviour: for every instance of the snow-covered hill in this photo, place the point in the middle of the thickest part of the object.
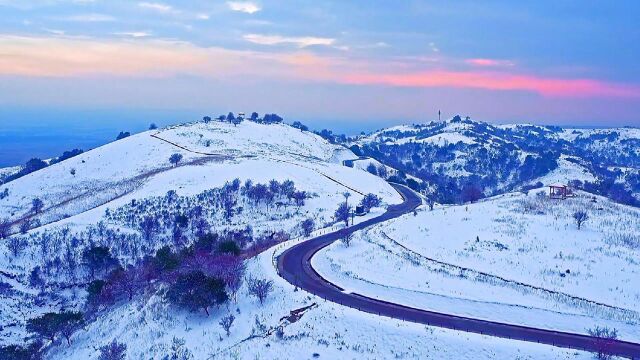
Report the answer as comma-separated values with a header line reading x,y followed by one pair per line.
x,y
101,197
185,192
458,154
515,258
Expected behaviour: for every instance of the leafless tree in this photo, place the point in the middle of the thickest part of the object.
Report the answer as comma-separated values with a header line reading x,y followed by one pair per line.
x,y
260,288
226,323
346,240
604,340
580,218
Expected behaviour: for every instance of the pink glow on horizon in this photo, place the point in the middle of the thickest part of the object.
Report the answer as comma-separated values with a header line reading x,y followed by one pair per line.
x,y
81,57
499,81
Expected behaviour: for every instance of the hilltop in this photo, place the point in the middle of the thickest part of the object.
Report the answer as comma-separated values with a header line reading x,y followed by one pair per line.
x,y
253,179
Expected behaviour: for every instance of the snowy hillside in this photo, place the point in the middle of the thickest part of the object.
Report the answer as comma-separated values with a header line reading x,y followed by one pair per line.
x,y
7,171
458,158
517,258
291,325
104,197
165,244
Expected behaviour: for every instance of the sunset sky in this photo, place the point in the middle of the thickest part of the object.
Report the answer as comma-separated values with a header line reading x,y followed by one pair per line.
x,y
376,62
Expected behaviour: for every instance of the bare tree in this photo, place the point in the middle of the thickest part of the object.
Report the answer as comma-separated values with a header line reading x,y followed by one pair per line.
x,y
604,338
15,245
260,288
346,240
580,218
226,323
346,195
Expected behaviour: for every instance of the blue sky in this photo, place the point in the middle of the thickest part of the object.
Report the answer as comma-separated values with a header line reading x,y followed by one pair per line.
x,y
365,64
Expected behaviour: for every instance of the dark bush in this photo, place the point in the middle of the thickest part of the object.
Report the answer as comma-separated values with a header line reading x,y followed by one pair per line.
x,y
195,290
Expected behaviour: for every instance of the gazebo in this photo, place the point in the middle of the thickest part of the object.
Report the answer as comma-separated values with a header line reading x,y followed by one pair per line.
x,y
559,191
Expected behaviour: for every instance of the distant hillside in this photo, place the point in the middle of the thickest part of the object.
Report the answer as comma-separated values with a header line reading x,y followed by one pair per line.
x,y
461,159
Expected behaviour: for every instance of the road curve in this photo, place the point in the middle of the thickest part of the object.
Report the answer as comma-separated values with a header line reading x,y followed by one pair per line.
x,y
294,265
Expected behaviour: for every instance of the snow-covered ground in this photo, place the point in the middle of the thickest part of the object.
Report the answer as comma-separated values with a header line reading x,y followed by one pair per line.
x,y
515,258
7,171
327,331
90,188
565,172
110,178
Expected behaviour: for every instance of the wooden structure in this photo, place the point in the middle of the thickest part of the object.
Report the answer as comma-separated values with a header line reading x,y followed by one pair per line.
x,y
559,191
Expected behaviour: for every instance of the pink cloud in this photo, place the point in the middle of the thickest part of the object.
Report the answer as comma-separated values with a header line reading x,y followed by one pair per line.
x,y
60,56
488,62
552,87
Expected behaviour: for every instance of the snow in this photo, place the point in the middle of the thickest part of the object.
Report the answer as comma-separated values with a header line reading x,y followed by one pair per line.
x,y
466,259
6,171
331,331
514,244
137,167
565,172
440,139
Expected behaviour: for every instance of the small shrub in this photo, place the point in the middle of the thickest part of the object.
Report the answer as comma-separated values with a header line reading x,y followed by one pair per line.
x,y
346,239
5,228
113,351
229,247
580,218
174,159
260,288
226,323
604,340
308,225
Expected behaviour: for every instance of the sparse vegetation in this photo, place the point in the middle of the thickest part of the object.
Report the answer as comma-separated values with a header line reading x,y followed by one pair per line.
x,y
580,218
260,288
226,322
603,343
113,351
175,159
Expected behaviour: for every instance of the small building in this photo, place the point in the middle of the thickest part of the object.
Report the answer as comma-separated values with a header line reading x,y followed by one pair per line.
x,y
559,191
360,210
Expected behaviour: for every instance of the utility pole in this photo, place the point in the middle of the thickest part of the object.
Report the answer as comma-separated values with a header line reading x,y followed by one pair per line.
x,y
438,115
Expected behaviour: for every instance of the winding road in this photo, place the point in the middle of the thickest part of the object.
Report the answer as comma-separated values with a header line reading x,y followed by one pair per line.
x,y
294,265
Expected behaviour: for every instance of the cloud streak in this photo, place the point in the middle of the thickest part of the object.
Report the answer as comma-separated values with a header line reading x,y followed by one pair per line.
x,y
300,42
551,87
60,56
244,6
89,18
482,62
159,7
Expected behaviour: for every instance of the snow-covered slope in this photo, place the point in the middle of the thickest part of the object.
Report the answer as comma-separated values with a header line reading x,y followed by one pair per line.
x,y
7,171
324,330
516,258
101,192
452,155
104,197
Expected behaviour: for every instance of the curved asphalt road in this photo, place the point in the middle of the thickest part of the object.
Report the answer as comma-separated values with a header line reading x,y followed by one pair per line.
x,y
294,265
